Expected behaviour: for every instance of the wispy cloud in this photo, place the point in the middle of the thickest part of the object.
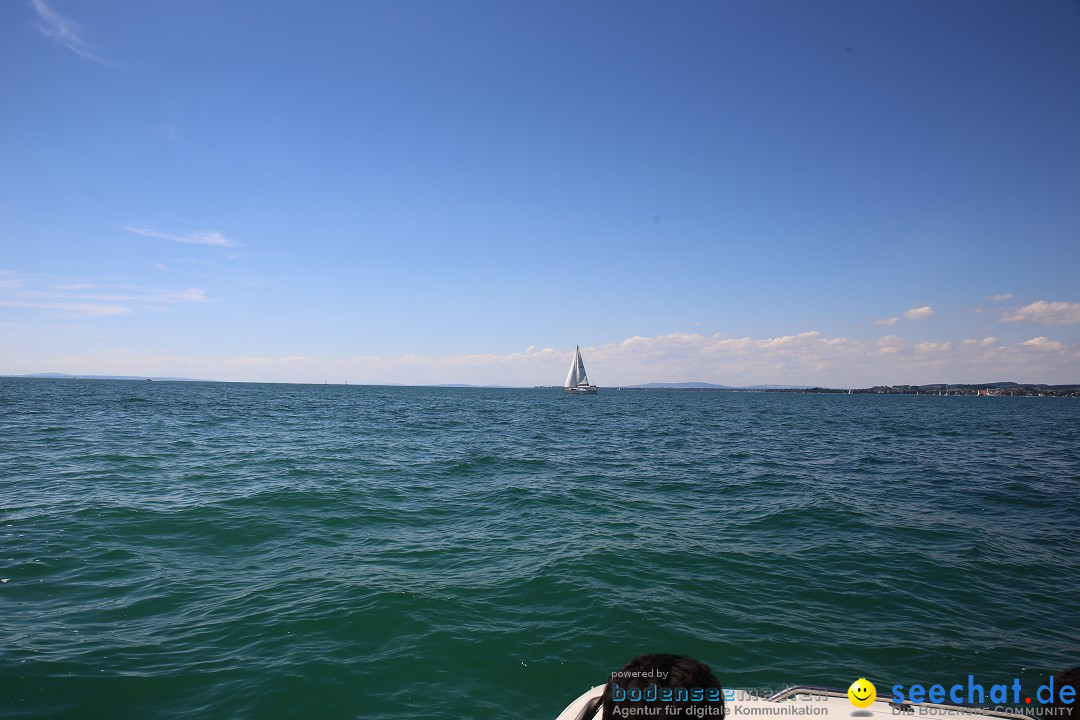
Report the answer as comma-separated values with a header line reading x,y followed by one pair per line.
x,y
83,298
78,308
65,32
77,286
191,295
8,279
1047,313
192,238
919,313
887,321
1001,298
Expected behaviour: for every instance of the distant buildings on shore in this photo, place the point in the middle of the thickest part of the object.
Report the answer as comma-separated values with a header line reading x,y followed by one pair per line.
x,y
1006,389
1001,389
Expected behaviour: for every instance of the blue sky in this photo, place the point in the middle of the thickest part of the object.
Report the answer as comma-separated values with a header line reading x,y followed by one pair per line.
x,y
838,193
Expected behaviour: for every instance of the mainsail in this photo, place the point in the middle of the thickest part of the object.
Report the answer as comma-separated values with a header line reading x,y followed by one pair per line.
x,y
576,377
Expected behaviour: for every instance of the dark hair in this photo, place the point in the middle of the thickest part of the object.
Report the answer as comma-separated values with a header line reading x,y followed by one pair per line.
x,y
664,671
1065,677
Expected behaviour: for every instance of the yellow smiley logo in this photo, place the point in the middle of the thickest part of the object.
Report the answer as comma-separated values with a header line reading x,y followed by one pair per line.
x,y
862,693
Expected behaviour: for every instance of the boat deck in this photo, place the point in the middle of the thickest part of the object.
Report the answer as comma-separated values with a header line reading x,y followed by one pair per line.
x,y
807,701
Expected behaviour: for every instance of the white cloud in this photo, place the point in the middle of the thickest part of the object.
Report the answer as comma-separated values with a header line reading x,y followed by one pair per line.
x,y
887,321
1043,343
919,313
890,344
1047,313
54,25
933,346
1001,298
193,238
807,358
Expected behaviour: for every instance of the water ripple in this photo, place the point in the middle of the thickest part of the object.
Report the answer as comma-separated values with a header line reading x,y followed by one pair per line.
x,y
191,550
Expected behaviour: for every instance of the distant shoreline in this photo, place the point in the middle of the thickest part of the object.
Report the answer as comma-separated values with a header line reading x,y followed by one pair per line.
x,y
998,389
1004,389
67,376
1001,389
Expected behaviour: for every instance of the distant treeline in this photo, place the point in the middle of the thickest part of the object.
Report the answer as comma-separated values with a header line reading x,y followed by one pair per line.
x,y
1009,389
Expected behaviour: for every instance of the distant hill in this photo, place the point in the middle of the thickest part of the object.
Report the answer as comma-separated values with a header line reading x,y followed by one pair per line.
x,y
709,386
466,385
678,386
66,376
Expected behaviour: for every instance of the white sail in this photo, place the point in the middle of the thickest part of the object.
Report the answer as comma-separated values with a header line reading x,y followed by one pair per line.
x,y
576,377
571,377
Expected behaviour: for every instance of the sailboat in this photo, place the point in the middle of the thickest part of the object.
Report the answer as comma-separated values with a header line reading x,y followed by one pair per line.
x,y
576,380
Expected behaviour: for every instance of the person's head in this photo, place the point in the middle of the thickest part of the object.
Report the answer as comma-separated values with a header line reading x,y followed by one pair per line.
x,y
665,684
1061,710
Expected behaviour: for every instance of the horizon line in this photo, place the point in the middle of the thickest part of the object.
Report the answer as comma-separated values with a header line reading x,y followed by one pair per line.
x,y
637,386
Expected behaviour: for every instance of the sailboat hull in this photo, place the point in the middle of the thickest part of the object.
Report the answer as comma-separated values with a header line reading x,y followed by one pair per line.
x,y
586,390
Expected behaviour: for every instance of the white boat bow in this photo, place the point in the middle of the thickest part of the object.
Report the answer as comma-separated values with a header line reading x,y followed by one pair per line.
x,y
809,701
